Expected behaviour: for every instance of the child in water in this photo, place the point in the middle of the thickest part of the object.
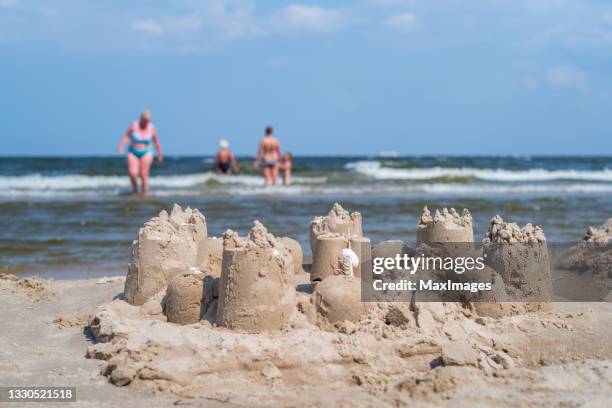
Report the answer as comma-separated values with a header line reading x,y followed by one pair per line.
x,y
286,163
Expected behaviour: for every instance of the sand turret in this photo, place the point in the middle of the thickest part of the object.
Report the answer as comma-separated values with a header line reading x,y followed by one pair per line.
x,y
332,256
520,256
593,253
331,238
445,226
601,235
294,250
327,259
167,245
184,298
338,221
510,233
254,293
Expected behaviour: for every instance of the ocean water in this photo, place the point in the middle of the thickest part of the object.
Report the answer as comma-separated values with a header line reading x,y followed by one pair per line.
x,y
74,217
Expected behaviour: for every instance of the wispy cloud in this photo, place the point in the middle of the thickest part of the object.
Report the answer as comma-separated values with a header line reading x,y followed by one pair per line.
x,y
168,24
316,19
565,76
235,20
402,22
231,19
147,26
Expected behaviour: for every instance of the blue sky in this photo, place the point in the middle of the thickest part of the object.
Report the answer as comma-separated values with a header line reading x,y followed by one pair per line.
x,y
333,77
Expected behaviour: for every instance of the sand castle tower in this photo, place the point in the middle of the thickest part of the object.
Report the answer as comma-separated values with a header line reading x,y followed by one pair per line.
x,y
445,227
337,221
167,245
593,253
184,298
294,250
339,251
334,238
520,256
254,293
601,235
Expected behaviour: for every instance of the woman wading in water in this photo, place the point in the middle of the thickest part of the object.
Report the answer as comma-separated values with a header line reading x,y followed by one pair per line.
x,y
141,134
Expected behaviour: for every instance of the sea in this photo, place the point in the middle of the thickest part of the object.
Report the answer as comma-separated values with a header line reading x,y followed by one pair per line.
x,y
74,217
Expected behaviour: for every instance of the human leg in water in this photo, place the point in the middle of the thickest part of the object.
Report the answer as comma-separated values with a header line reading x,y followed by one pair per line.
x,y
267,173
133,164
275,174
145,168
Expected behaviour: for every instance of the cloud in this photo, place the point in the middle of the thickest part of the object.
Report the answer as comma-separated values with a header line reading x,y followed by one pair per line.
x,y
231,19
147,26
402,22
316,19
168,24
565,76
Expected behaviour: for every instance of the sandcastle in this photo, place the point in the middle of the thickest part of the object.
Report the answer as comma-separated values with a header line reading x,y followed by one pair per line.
x,y
592,254
337,221
336,241
445,227
260,325
520,256
601,235
254,293
167,245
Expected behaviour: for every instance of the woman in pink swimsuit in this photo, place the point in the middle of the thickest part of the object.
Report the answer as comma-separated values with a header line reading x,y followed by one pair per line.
x,y
141,134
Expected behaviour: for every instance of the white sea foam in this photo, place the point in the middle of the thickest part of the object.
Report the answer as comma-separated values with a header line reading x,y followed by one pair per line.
x,y
497,189
39,183
376,170
429,189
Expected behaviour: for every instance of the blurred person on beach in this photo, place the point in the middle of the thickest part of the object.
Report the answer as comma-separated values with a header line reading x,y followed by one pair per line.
x,y
286,163
268,157
140,135
225,161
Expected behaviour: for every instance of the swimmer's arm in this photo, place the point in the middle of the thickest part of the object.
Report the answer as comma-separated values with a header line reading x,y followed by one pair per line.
x,y
160,155
124,140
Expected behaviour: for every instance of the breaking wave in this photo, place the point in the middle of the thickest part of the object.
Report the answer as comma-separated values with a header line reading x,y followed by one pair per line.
x,y
376,170
50,184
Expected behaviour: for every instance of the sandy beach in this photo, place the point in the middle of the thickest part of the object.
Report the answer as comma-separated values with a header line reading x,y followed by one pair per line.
x,y
561,357
250,321
249,203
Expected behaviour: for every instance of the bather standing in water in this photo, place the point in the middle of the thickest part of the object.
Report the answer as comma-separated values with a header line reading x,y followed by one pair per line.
x,y
268,156
225,161
286,164
140,135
